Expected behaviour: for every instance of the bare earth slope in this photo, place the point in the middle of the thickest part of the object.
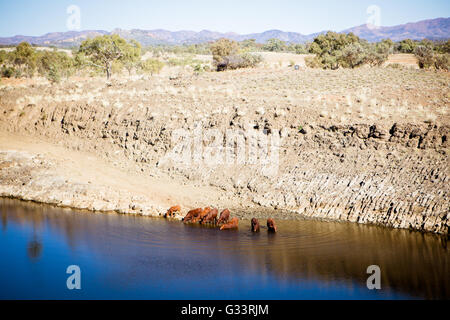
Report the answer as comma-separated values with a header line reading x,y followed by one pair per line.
x,y
373,149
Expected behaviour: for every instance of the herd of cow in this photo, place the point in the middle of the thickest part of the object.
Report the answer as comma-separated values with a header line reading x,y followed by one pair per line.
x,y
208,215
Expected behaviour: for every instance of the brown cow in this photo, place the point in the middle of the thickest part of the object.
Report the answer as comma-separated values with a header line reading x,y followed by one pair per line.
x,y
192,214
171,212
233,224
202,215
224,216
211,217
271,226
255,225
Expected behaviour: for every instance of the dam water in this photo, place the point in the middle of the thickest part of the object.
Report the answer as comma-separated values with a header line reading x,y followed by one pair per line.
x,y
133,257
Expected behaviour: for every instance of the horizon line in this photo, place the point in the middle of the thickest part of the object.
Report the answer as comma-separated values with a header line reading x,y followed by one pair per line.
x,y
227,32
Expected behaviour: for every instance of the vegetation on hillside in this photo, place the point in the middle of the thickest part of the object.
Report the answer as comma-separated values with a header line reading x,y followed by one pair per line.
x,y
111,54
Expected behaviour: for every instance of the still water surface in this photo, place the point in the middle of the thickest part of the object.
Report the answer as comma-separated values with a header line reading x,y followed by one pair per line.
x,y
131,257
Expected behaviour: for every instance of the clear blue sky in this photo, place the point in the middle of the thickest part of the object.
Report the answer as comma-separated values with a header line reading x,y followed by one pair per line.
x,y
37,17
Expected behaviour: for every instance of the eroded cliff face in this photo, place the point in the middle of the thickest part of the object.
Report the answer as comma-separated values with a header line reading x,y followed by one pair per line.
x,y
344,155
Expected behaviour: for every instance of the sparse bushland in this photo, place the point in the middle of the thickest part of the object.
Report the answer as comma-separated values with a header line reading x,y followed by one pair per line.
x,y
336,50
25,61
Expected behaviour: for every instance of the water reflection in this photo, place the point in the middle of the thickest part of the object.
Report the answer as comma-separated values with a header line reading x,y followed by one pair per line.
x,y
34,249
142,250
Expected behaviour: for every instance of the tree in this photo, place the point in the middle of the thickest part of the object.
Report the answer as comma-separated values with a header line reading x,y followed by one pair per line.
x,y
24,57
223,48
275,45
442,46
248,45
329,49
102,51
406,46
132,56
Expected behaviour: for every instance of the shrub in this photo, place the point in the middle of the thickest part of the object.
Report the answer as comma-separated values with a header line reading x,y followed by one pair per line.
x,y
395,66
378,53
226,56
442,46
251,60
313,62
55,65
425,57
8,72
442,62
352,56
300,49
329,49
406,46
151,66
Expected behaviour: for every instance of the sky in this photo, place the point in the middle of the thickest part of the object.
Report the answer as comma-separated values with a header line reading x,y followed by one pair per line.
x,y
37,17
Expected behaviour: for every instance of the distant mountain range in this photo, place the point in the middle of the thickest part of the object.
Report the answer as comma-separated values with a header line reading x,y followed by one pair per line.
x,y
435,29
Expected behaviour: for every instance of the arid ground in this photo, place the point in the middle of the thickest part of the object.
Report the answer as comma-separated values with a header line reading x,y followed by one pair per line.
x,y
368,145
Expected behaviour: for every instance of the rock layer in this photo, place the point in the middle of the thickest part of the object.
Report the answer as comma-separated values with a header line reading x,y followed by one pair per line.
x,y
347,152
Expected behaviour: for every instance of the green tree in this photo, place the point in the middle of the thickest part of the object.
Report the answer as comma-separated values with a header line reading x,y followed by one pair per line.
x,y
248,45
132,57
24,58
406,46
223,48
275,45
329,47
102,51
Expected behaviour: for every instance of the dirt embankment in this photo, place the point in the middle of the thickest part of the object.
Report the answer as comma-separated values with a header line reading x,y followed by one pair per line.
x,y
367,145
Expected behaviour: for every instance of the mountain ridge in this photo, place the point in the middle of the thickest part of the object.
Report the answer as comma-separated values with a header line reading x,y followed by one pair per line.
x,y
433,29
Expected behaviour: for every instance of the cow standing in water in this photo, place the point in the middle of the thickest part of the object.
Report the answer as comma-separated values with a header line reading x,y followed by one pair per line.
x,y
202,215
224,217
192,214
211,217
233,224
255,225
271,226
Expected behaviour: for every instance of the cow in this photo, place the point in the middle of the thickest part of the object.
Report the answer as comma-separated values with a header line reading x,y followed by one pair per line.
x,y
255,225
192,214
171,212
202,215
224,216
271,226
233,224
211,217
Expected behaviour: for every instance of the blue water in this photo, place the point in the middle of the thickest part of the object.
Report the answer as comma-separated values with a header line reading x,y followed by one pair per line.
x,y
130,257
